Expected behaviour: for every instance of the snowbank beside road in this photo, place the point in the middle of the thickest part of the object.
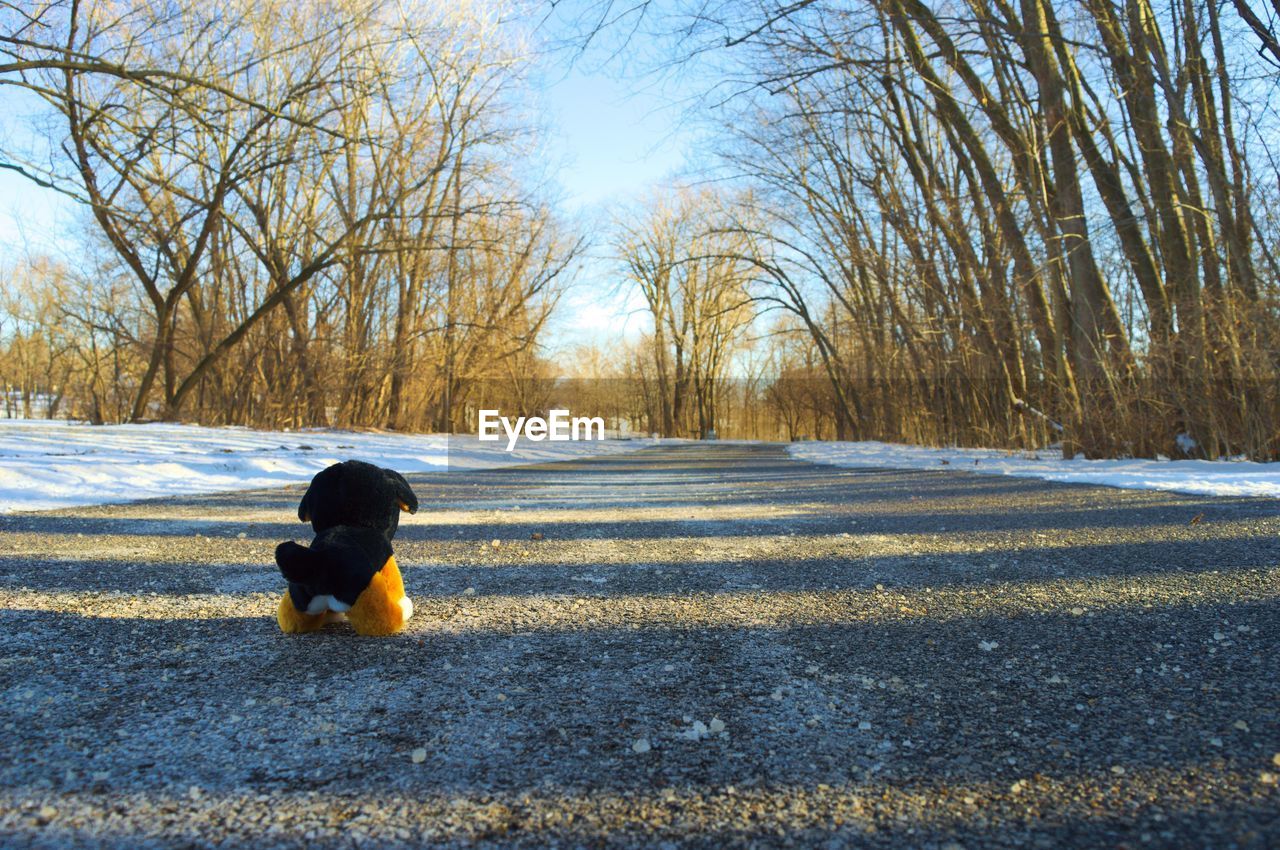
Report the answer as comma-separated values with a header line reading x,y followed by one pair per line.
x,y
52,464
1198,477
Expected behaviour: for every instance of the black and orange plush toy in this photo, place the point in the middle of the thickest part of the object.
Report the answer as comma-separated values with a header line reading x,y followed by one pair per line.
x,y
349,569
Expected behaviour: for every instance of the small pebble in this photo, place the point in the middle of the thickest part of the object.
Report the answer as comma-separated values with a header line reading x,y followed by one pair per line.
x,y
641,746
419,755
696,732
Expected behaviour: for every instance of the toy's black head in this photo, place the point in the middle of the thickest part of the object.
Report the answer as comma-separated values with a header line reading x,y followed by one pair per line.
x,y
357,493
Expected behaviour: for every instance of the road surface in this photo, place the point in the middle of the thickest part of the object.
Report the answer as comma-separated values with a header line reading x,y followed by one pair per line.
x,y
711,645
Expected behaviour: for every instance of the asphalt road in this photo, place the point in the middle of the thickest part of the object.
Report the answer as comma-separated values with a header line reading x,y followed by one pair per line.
x,y
711,646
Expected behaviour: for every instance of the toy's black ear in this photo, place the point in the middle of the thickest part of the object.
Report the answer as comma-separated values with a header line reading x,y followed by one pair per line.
x,y
404,493
304,508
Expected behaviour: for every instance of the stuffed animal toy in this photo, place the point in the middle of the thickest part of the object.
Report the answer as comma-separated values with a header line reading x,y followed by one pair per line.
x,y
349,569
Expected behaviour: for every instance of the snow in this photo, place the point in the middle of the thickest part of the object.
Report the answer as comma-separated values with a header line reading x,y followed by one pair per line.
x,y
48,464
56,464
1196,477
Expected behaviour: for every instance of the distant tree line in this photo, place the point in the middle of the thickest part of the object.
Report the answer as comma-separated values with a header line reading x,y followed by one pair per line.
x,y
1000,222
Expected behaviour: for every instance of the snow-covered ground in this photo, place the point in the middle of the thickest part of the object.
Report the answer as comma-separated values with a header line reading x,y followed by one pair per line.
x,y
54,464
1199,477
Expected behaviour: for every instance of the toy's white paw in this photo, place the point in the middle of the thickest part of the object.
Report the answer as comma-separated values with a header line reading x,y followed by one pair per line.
x,y
322,604
407,607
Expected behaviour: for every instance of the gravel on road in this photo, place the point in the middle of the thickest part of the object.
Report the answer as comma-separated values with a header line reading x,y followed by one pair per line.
x,y
700,645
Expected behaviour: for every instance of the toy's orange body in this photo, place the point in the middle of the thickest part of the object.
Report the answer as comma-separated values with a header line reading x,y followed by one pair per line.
x,y
349,571
294,622
382,608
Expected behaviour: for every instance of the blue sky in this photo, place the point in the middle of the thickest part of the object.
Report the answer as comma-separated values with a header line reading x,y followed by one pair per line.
x,y
618,140
29,215
619,137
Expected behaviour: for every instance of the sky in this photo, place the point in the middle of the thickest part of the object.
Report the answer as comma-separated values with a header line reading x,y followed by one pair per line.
x,y
619,137
616,139
30,216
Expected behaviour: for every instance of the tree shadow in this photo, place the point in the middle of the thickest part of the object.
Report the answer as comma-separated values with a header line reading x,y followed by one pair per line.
x,y
809,499
664,566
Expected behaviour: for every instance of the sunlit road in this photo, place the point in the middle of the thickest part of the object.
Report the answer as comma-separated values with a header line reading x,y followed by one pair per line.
x,y
710,645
